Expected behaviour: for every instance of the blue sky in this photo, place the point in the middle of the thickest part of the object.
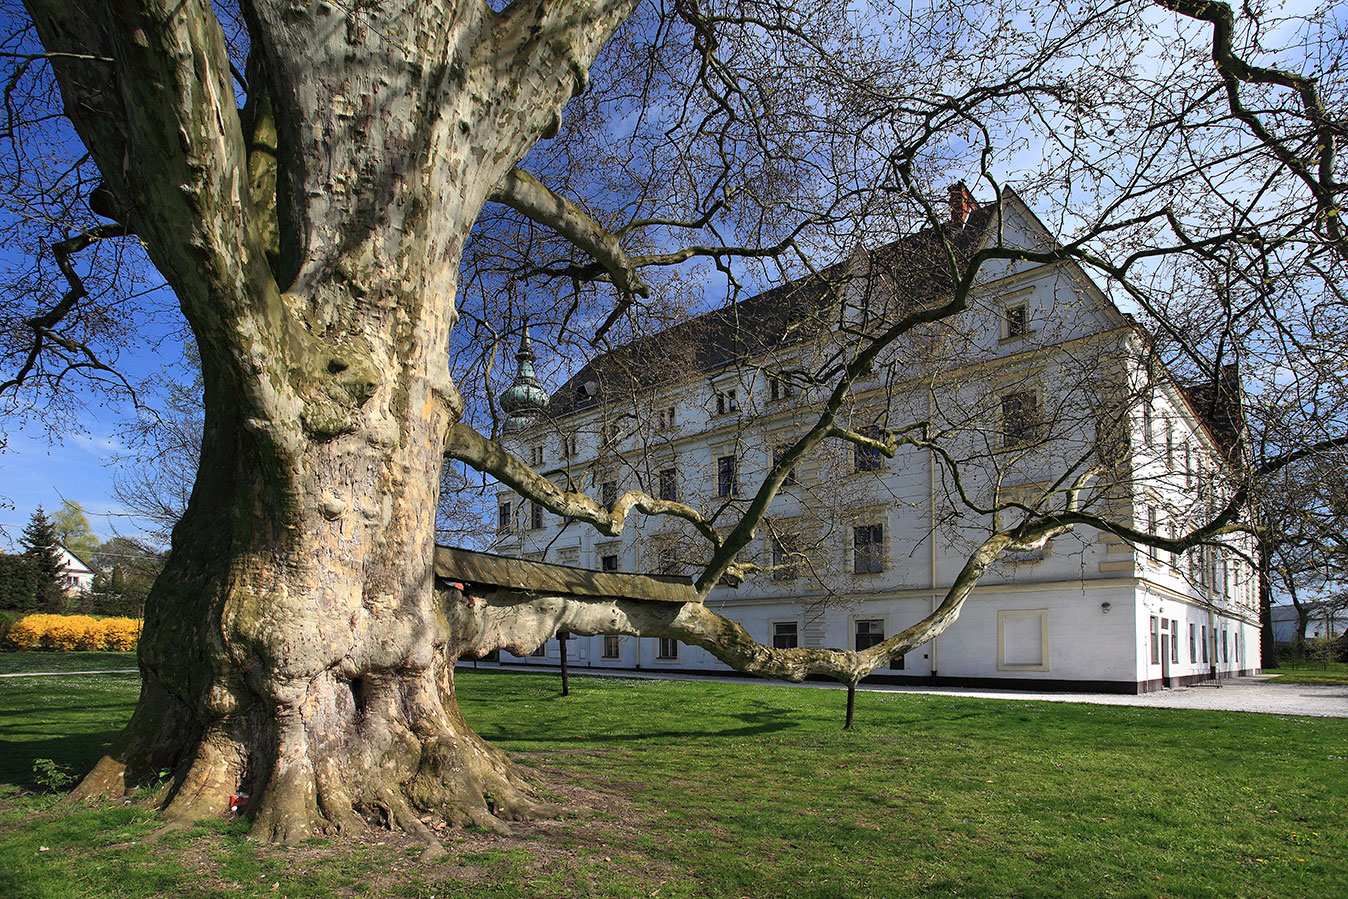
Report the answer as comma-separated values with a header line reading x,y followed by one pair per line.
x,y
37,472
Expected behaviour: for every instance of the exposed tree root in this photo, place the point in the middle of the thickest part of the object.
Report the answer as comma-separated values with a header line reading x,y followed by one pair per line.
x,y
384,750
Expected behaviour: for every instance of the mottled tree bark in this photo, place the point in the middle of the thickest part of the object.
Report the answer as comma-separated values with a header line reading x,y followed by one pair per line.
x,y
294,648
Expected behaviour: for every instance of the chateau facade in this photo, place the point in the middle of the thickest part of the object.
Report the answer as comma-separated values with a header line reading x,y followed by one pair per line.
x,y
1038,387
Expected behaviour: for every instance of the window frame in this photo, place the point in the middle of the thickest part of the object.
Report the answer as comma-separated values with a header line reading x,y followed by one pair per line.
x,y
866,458
661,647
617,651
794,635
727,476
791,478
1015,320
781,547
877,555
667,487
727,401
1019,423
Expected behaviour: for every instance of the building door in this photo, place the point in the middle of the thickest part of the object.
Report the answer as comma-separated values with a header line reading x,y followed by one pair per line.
x,y
1167,643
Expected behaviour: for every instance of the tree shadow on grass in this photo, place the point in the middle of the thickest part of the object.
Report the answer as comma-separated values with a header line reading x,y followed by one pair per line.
x,y
75,755
766,721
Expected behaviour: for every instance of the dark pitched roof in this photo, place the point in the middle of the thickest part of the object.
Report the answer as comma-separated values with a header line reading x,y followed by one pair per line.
x,y
912,268
1219,404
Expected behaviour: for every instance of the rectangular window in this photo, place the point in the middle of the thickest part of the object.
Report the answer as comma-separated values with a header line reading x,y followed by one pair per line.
x,y
1169,445
779,389
868,549
665,418
1015,321
540,653
503,517
1225,656
1193,647
536,455
567,446
1174,641
868,632
867,458
666,549
1155,640
669,484
726,476
612,648
667,649
1020,418
1204,632
1153,528
783,557
535,516
608,493
785,635
608,562
778,452
1148,425
727,401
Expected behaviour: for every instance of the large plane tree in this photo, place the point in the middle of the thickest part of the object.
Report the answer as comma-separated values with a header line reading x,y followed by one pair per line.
x,y
324,186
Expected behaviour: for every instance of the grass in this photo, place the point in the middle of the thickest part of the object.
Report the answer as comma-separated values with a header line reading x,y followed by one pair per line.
x,y
1305,671
20,662
688,789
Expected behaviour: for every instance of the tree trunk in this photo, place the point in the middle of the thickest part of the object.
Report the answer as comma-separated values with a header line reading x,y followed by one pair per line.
x,y
1268,653
293,647
294,650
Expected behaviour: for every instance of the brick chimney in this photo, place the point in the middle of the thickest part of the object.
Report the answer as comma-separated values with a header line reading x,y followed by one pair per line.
x,y
961,204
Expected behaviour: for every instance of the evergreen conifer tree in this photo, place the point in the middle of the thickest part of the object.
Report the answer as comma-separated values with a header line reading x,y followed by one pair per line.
x,y
40,544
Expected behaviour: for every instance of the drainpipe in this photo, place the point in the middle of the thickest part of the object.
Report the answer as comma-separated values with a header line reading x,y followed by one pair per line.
x,y
931,497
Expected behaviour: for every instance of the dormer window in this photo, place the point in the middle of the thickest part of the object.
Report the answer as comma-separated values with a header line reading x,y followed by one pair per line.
x,y
727,401
1015,321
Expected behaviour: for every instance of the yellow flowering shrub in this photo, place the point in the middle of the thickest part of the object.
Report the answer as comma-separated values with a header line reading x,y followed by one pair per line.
x,y
63,633
120,634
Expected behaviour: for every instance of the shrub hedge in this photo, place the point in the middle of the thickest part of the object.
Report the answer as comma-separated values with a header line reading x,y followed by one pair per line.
x,y
63,633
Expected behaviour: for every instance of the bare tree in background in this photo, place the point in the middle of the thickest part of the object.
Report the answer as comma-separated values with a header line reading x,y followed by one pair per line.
x,y
390,201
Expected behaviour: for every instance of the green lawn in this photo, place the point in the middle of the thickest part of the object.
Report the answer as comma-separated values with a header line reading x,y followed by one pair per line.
x,y
687,789
14,662
1303,671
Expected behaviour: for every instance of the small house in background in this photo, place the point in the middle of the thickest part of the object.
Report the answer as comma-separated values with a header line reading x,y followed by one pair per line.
x,y
76,576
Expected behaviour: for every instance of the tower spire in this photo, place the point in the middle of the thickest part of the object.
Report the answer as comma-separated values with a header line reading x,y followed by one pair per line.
x,y
525,400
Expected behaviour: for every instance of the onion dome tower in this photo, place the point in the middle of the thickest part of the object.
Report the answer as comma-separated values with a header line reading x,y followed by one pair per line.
x,y
525,400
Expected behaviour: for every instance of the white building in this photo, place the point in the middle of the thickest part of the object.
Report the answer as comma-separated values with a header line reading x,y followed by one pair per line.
x,y
75,574
1039,378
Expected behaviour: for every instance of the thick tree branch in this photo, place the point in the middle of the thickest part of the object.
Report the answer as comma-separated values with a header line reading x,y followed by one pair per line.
x,y
528,196
520,622
467,445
